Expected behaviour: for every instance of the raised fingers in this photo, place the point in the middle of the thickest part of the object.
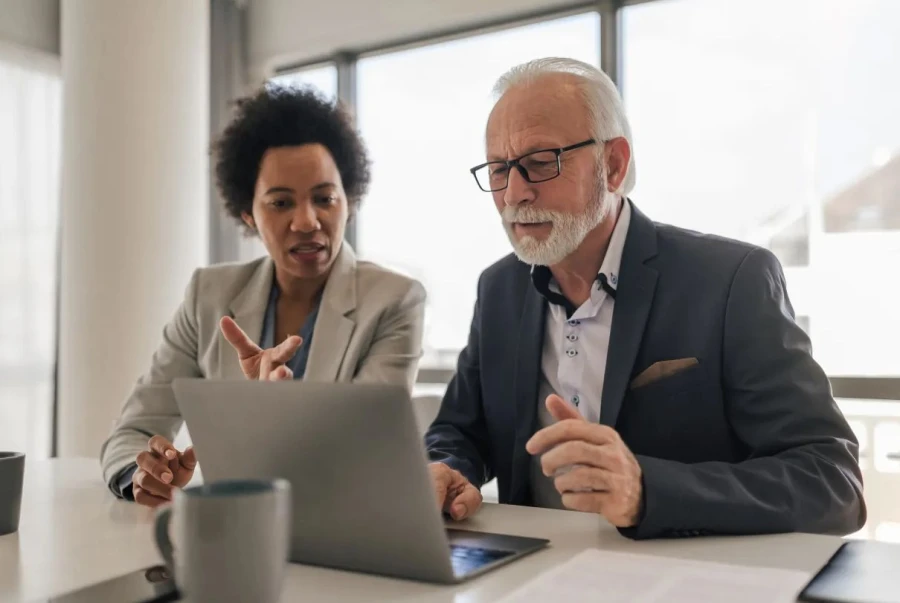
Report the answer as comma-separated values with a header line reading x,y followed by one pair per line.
x,y
285,350
239,340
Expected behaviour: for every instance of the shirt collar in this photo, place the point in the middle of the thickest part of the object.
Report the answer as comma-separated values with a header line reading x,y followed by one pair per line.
x,y
543,280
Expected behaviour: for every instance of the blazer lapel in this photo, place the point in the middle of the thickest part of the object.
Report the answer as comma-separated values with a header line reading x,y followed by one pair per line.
x,y
530,339
634,296
248,311
334,327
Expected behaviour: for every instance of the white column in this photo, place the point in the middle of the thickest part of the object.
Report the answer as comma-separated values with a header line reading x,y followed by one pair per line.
x,y
134,195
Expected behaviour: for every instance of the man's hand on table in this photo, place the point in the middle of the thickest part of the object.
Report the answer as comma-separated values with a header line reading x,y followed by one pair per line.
x,y
454,493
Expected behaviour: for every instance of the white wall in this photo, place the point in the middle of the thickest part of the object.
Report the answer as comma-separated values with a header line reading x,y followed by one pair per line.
x,y
283,31
33,24
134,196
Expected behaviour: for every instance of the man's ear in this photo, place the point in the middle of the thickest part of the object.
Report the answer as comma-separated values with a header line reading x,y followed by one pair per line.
x,y
617,155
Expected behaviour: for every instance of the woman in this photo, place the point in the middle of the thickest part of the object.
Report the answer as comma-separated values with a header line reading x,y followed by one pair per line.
x,y
292,170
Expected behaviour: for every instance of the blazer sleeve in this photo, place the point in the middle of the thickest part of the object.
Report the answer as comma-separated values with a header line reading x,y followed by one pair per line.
x,y
802,474
150,408
458,436
393,357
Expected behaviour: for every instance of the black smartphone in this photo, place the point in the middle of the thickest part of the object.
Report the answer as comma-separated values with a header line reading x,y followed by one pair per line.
x,y
860,571
149,585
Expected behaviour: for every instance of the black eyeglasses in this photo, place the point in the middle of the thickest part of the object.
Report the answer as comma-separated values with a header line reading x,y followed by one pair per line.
x,y
537,166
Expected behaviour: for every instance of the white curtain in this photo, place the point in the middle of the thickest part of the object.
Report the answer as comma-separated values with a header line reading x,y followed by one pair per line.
x,y
30,103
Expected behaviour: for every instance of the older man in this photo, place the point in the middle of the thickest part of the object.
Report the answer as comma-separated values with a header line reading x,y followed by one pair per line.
x,y
652,375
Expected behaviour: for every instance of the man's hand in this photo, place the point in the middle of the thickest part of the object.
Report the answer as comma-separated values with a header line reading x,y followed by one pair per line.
x,y
161,469
594,470
257,363
455,494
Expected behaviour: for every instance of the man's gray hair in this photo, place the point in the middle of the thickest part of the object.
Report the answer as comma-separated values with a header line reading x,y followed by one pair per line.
x,y
600,95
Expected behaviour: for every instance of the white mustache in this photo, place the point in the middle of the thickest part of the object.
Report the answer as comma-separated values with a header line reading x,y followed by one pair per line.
x,y
528,215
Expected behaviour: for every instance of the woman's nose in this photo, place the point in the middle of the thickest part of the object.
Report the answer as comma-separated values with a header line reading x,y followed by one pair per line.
x,y
305,218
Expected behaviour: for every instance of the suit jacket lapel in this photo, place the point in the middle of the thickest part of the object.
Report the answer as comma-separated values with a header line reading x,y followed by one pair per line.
x,y
634,296
248,311
530,339
334,327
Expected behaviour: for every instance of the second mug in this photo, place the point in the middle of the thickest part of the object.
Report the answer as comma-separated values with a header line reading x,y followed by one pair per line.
x,y
231,540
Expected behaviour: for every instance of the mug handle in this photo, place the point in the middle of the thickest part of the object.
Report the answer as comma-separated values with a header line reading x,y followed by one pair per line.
x,y
163,543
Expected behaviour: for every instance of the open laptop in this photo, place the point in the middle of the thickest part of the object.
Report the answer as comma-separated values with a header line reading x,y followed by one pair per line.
x,y
362,493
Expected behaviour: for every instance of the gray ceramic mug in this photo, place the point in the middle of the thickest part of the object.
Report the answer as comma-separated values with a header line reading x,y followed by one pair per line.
x,y
12,472
231,540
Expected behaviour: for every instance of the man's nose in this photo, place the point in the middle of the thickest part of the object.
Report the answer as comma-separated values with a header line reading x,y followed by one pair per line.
x,y
518,189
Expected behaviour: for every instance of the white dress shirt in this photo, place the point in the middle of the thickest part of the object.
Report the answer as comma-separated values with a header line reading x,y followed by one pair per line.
x,y
573,361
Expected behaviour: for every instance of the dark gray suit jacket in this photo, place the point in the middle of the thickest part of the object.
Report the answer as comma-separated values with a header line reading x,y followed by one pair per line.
x,y
749,440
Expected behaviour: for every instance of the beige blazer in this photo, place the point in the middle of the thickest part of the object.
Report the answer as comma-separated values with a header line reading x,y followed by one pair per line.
x,y
369,329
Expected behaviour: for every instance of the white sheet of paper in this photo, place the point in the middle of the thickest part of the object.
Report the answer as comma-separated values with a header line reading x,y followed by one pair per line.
x,y
597,575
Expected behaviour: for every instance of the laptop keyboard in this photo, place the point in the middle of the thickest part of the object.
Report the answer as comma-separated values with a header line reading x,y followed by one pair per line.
x,y
467,559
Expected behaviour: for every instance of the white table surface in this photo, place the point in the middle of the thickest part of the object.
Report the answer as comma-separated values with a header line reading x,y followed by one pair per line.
x,y
74,533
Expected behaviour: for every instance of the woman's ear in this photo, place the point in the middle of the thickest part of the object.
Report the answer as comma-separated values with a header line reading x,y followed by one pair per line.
x,y
248,220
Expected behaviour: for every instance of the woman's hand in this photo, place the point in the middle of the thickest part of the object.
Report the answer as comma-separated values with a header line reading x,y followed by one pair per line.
x,y
257,363
161,469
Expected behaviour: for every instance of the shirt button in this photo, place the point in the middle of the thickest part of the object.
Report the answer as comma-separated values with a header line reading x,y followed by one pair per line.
x,y
574,323
571,353
576,399
572,337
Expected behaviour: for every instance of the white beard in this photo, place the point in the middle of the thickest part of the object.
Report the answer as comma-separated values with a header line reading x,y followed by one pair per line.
x,y
567,231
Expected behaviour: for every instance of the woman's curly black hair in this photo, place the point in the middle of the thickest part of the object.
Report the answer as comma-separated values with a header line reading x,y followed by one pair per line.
x,y
280,116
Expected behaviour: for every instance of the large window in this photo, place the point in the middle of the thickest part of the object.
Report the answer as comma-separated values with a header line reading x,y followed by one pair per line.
x,y
775,121
422,113
322,78
29,201
771,121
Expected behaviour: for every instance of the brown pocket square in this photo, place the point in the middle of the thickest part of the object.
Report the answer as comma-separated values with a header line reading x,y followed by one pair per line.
x,y
661,370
